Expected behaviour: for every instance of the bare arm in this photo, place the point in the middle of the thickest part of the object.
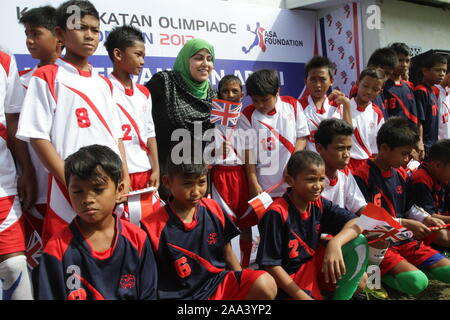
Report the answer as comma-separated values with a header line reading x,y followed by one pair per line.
x,y
230,258
126,176
153,157
49,158
285,282
250,169
26,184
300,144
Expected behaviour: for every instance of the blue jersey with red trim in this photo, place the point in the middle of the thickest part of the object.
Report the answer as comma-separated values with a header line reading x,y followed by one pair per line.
x,y
426,101
427,192
70,269
386,189
190,257
400,101
289,238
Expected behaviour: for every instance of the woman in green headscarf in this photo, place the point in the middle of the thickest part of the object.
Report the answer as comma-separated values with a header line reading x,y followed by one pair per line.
x,y
182,97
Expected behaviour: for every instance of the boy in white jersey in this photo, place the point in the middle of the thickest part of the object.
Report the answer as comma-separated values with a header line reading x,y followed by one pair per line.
x,y
15,282
443,95
367,117
273,128
126,48
229,185
42,43
317,106
67,106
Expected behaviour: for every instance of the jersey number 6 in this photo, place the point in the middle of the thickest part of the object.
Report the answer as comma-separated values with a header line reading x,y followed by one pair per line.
x,y
182,267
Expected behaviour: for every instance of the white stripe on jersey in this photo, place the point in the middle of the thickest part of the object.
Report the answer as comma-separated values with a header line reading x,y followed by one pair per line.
x,y
366,123
139,107
444,112
13,216
344,191
315,116
289,122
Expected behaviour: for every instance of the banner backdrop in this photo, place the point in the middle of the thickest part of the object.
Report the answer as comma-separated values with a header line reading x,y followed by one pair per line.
x,y
339,37
245,37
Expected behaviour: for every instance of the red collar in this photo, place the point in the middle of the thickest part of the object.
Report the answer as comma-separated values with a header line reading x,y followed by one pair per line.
x,y
187,226
82,73
333,181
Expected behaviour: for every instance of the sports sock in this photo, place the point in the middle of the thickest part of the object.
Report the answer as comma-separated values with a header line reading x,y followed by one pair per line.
x,y
440,273
355,258
15,279
246,251
410,282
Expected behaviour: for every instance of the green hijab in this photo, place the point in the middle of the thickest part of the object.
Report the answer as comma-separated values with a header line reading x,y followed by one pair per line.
x,y
198,89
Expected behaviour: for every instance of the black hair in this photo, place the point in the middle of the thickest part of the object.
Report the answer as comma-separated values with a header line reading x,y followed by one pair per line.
x,y
434,59
302,160
44,16
330,128
383,57
122,37
229,78
319,62
400,48
397,132
376,73
87,162
262,82
64,11
440,151
186,168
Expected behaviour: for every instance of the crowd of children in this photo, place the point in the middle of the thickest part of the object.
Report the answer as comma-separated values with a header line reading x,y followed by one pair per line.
x,y
74,144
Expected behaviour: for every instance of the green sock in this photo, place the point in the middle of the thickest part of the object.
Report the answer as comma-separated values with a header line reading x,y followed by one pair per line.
x,y
410,282
440,273
356,254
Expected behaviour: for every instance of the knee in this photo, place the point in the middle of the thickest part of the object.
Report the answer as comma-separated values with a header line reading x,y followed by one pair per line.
x,y
266,286
412,282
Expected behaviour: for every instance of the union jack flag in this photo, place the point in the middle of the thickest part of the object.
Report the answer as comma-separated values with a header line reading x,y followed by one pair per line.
x,y
389,233
33,250
225,113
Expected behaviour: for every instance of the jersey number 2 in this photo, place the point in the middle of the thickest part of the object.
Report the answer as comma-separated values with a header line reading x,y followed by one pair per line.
x,y
126,128
182,267
82,117
293,245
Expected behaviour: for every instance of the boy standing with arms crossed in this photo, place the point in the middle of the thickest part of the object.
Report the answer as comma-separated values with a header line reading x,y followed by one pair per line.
x,y
68,105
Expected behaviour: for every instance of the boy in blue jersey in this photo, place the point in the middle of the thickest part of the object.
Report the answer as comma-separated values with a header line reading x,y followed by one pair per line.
x,y
382,181
191,239
433,70
290,248
98,256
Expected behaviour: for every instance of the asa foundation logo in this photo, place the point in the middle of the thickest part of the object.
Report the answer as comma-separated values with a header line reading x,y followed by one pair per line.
x,y
265,39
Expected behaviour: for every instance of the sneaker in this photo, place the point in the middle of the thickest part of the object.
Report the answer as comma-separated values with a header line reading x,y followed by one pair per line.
x,y
360,296
379,294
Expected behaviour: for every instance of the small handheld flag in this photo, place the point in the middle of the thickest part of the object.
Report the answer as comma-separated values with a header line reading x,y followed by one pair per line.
x,y
143,202
225,113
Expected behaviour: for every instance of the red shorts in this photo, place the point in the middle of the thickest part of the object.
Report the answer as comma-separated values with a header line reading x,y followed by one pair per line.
x,y
139,180
309,277
415,252
236,285
354,164
230,189
12,230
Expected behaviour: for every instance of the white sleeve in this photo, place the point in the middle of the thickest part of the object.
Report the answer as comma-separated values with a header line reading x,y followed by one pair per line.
x,y
354,199
15,92
373,141
36,117
301,122
149,124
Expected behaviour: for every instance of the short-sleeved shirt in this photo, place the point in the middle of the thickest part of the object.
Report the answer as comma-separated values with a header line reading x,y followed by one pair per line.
x,y
426,100
289,238
379,100
386,189
273,135
71,108
427,192
11,99
344,191
70,269
366,123
189,256
41,172
315,115
400,101
443,112
135,112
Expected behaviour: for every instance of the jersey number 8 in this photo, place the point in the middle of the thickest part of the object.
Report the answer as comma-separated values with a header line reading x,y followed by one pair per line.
x,y
82,117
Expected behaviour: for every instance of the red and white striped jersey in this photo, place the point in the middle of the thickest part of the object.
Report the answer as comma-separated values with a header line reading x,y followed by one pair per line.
x,y
344,191
444,112
135,112
315,115
71,108
11,99
366,123
41,171
273,136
